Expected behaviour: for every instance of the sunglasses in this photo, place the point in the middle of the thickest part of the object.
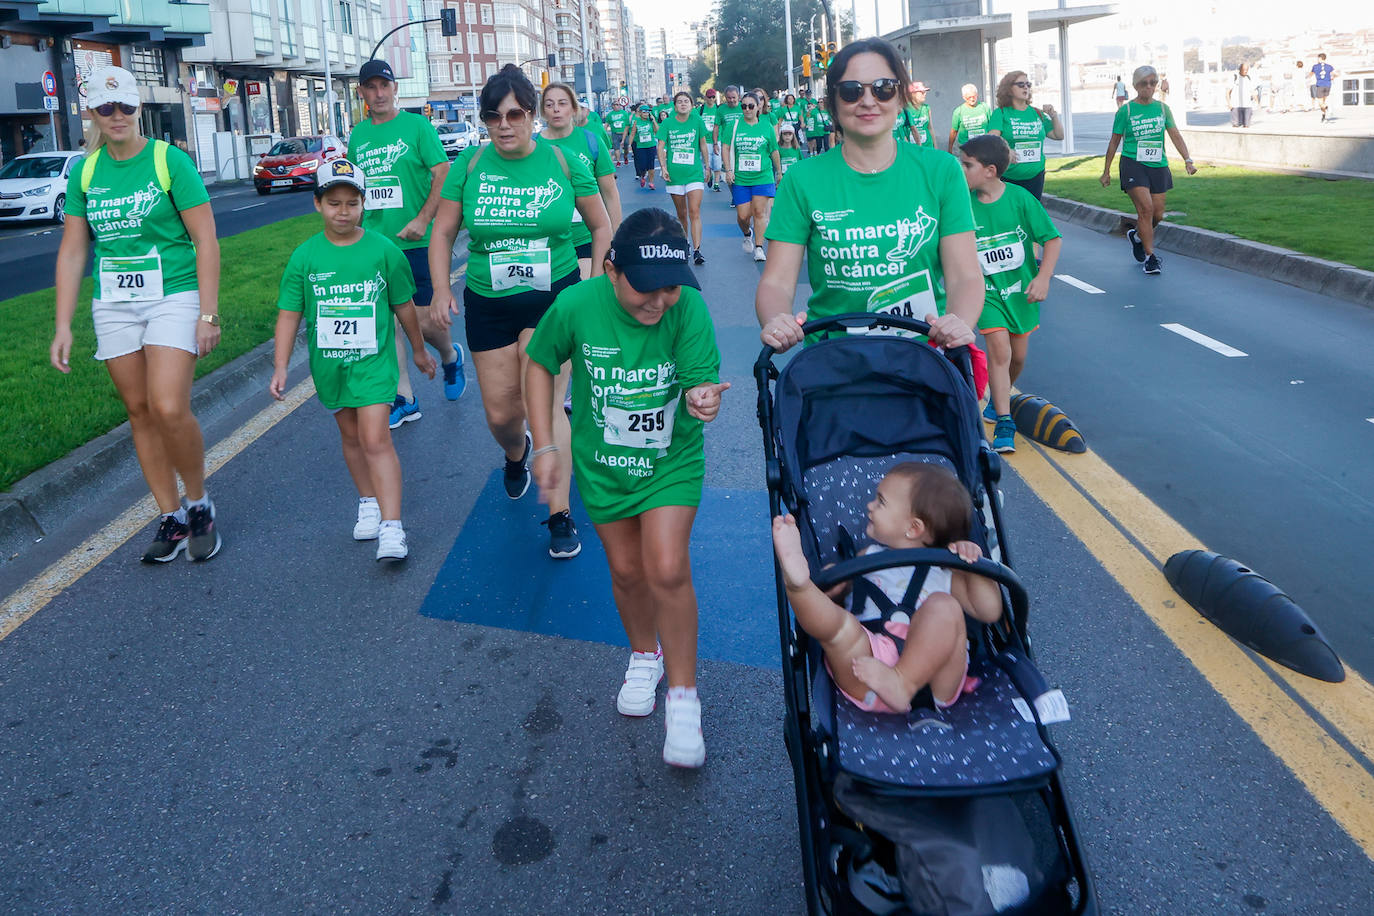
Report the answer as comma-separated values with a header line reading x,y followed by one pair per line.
x,y
513,117
884,90
108,109
1022,84
749,107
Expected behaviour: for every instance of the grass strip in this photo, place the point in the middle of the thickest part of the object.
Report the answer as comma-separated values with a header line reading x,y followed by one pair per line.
x,y
1324,218
50,414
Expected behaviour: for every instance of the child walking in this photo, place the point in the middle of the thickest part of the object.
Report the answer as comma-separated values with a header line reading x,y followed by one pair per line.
x,y
789,153
1009,222
915,505
645,378
347,282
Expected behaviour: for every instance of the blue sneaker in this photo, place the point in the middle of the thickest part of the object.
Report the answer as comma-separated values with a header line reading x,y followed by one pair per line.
x,y
455,382
403,411
1004,435
989,415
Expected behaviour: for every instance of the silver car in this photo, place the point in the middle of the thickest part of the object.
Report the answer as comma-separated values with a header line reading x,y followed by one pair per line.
x,y
34,186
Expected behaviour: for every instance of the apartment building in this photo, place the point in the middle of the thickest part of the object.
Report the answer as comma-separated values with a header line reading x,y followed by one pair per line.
x,y
569,18
457,66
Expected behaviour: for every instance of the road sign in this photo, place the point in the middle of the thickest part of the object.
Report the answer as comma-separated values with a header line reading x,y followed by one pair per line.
x,y
49,83
50,103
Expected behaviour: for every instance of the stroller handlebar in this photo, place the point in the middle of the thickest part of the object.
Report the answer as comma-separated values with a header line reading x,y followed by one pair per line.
x,y
886,559
871,320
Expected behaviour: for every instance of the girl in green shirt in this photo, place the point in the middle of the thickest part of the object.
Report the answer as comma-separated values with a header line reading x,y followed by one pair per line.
x,y
646,377
683,141
156,306
561,113
1025,128
789,153
643,130
752,166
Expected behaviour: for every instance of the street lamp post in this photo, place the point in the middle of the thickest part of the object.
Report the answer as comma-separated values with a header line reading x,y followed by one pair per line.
x,y
787,17
586,63
328,76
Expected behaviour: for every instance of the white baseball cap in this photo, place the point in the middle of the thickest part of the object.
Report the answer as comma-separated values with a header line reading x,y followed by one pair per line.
x,y
111,84
338,171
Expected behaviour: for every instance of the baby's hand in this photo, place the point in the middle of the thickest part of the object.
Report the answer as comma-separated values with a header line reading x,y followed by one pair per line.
x,y
967,551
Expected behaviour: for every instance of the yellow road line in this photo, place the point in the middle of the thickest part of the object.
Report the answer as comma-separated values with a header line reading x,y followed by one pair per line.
x,y
1338,780
58,577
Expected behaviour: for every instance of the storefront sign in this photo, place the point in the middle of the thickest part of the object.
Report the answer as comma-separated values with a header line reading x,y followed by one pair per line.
x,y
231,87
254,87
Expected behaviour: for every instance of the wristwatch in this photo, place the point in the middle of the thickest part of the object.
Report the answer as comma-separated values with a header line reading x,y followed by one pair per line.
x,y
210,319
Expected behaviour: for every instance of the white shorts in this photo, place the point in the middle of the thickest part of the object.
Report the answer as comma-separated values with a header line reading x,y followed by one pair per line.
x,y
681,189
122,328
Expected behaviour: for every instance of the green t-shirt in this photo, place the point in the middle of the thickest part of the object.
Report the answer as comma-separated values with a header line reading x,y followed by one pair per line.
x,y
682,145
397,158
752,146
1025,133
919,119
873,241
793,115
710,114
594,123
729,114
818,122
645,131
970,121
788,156
617,118
582,143
137,226
662,111
346,293
519,217
1008,229
1142,129
635,446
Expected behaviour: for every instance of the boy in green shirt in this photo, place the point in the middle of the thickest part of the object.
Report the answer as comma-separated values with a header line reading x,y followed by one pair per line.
x,y
1008,222
347,282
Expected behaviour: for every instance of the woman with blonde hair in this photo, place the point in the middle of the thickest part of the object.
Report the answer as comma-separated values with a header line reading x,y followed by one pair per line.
x,y
156,306
565,126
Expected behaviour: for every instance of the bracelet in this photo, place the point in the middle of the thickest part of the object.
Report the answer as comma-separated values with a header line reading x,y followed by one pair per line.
x,y
543,451
210,319
1187,160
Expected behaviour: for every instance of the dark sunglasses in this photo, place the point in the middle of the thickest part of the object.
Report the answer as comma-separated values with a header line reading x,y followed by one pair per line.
x,y
109,108
513,117
749,107
1022,84
884,90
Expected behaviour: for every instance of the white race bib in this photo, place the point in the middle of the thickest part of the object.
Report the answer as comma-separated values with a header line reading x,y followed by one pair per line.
x,y
1149,151
131,279
1001,253
531,268
1027,152
909,297
749,163
684,157
639,419
384,193
344,325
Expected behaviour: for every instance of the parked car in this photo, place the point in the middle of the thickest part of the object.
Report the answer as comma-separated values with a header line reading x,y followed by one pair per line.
x,y
35,186
292,161
457,136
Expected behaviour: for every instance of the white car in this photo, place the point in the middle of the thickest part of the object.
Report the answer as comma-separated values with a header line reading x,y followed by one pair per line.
x,y
35,186
456,136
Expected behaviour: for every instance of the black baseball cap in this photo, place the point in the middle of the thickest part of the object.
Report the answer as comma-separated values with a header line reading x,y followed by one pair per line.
x,y
654,262
373,68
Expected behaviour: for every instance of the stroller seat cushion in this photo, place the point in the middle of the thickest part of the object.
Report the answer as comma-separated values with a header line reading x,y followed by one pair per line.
x,y
982,740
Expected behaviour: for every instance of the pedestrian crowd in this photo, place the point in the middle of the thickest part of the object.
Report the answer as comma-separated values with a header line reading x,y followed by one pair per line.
x,y
592,345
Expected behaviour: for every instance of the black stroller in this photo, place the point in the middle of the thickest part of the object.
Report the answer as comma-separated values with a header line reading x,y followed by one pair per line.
x,y
949,811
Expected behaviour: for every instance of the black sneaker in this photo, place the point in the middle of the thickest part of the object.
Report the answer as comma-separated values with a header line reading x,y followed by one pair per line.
x,y
697,258
517,473
169,541
563,540
204,542
1137,246
1153,265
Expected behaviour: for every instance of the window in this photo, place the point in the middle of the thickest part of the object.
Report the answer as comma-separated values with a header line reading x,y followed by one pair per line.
x,y
435,41
474,46
147,66
287,28
455,44
505,43
460,73
489,43
345,17
438,71
486,15
262,27
469,12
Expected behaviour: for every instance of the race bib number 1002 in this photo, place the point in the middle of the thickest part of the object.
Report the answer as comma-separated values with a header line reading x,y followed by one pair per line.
x,y
384,193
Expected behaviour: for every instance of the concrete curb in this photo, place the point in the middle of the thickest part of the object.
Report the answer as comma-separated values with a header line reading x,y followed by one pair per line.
x,y
1329,278
42,501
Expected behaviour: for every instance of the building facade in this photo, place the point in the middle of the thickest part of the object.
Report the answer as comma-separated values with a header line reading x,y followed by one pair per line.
x,y
457,66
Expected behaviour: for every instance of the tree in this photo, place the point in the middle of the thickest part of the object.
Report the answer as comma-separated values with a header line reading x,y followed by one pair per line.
x,y
753,49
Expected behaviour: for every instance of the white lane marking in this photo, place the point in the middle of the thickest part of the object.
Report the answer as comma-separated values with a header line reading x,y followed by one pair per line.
x,y
1214,345
251,206
1074,281
1369,419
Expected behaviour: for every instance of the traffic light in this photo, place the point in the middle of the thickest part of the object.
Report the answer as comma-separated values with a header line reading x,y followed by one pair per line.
x,y
806,65
829,52
821,56
448,21
553,61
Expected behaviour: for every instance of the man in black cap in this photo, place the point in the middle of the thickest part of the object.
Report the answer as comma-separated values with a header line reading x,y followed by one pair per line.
x,y
405,164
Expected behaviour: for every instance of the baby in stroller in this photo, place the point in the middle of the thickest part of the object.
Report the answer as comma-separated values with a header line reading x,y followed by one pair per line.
x,y
915,505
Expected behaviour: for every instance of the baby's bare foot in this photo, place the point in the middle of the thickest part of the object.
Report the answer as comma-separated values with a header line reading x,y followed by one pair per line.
x,y
884,681
796,572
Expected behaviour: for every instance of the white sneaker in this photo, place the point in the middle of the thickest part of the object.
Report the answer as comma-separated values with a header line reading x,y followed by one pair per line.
x,y
683,746
391,543
369,521
758,253
636,697
748,243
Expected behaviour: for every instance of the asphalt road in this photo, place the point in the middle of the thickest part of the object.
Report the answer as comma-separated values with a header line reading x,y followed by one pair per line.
x,y
293,728
28,252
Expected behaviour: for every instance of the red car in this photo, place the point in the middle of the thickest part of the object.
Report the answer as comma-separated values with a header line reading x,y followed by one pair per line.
x,y
292,161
